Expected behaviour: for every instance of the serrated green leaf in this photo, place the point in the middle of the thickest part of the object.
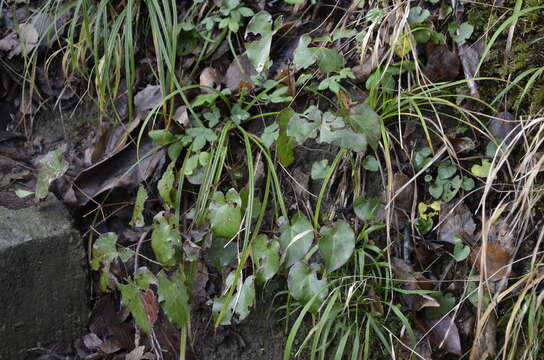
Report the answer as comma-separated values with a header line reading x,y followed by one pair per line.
x,y
137,219
176,298
337,244
166,185
421,158
266,257
296,239
304,57
225,214
270,134
467,184
300,129
245,298
21,194
104,250
365,209
130,298
304,285
328,60
436,190
451,188
162,136
51,167
418,15
447,302
164,240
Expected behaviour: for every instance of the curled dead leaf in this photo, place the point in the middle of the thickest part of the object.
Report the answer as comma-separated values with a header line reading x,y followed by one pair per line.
x,y
443,333
412,281
456,221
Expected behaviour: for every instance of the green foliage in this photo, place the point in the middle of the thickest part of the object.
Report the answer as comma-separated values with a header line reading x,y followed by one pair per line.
x,y
259,50
173,292
305,287
266,257
365,209
137,219
51,167
336,245
222,252
296,239
225,213
319,169
165,240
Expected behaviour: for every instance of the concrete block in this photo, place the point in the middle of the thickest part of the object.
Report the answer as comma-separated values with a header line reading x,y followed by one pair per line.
x,y
43,282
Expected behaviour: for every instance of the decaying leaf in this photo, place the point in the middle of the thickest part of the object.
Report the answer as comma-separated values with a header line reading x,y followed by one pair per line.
x,y
412,281
126,168
470,58
209,77
442,64
443,333
51,167
239,73
485,346
455,222
148,98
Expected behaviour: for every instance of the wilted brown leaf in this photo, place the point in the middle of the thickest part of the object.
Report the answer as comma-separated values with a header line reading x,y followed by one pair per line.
x,y
496,261
151,305
502,124
410,280
147,98
239,73
470,58
442,64
209,77
423,347
443,333
126,168
456,222
485,345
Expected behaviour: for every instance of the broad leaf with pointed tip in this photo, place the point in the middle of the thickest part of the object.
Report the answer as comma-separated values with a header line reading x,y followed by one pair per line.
x,y
130,297
337,244
225,214
259,50
51,167
366,121
166,184
266,257
304,286
164,240
176,298
296,239
304,56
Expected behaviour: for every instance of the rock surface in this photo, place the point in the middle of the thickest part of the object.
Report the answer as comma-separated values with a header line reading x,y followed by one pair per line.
x,y
42,278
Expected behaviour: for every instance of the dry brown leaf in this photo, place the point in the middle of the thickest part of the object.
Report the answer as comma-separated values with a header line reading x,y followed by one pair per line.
x,y
443,333
151,305
148,98
442,64
239,73
209,77
410,280
126,168
181,116
496,261
485,346
456,222
502,124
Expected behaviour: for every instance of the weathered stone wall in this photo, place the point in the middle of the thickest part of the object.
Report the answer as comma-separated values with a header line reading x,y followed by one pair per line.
x,y
42,278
